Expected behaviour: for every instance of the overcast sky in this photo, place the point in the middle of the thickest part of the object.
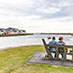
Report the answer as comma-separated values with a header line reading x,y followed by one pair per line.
x,y
37,15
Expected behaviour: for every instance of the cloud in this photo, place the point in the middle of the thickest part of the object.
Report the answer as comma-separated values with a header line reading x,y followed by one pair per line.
x,y
44,8
49,10
37,14
51,26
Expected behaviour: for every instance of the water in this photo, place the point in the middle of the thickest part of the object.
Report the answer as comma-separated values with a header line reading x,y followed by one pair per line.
x,y
36,39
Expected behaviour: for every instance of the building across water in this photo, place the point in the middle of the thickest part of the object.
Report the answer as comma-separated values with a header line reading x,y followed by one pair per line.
x,y
10,31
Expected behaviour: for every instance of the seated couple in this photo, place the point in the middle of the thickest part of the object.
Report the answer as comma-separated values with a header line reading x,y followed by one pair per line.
x,y
54,42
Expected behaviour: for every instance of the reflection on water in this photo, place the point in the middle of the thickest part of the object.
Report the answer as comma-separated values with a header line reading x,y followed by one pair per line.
x,y
28,40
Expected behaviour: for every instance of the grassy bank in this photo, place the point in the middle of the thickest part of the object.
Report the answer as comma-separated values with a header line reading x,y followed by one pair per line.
x,y
16,35
14,61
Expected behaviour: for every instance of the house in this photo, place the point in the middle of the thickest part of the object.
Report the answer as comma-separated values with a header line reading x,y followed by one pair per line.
x,y
22,31
2,31
12,30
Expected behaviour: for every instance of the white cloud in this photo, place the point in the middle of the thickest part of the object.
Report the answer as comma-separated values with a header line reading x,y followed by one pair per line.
x,y
16,3
24,14
65,3
49,25
50,10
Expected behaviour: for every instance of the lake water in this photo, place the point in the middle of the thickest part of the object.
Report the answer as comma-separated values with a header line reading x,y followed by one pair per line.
x,y
36,39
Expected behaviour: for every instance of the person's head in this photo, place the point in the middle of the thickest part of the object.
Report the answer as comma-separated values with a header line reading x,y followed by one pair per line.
x,y
60,38
53,38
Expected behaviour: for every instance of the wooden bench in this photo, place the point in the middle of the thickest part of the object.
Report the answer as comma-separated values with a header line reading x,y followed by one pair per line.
x,y
49,53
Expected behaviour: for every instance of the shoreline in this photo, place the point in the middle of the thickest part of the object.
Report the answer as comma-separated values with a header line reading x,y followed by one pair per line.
x,y
35,33
16,35
1,49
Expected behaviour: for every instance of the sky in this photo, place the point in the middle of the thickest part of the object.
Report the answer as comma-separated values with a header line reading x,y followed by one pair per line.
x,y
47,16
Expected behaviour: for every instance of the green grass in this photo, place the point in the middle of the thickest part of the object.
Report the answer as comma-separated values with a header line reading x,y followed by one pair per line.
x,y
16,35
14,61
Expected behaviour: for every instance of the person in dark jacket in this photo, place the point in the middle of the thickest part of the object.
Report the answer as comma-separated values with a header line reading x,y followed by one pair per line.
x,y
61,43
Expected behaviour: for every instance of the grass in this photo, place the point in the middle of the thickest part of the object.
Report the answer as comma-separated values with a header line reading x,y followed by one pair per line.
x,y
14,61
16,35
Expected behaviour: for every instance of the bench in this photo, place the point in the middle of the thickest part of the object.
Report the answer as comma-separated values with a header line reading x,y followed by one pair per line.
x,y
49,53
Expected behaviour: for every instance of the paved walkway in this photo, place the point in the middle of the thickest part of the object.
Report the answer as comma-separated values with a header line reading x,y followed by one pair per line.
x,y
39,58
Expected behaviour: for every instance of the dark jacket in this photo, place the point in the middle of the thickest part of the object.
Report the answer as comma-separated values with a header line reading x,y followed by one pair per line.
x,y
61,49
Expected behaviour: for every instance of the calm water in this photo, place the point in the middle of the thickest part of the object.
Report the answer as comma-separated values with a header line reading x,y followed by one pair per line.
x,y
6,42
